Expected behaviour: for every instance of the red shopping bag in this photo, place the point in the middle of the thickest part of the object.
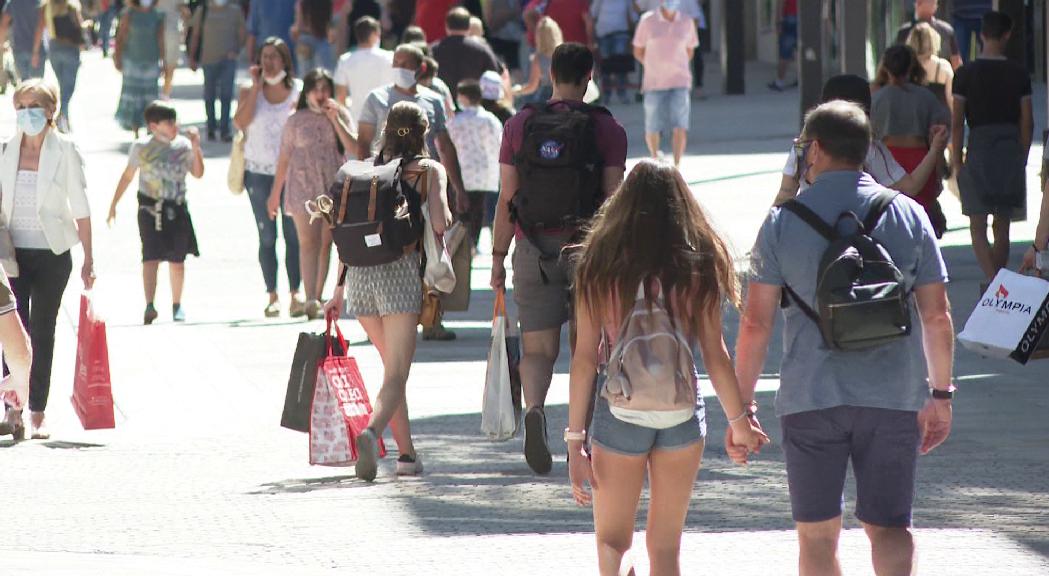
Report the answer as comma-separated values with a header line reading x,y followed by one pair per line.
x,y
92,388
340,409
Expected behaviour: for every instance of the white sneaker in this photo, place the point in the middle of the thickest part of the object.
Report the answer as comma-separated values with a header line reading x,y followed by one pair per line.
x,y
408,466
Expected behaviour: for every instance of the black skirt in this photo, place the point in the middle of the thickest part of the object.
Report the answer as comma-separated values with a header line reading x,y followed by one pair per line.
x,y
166,230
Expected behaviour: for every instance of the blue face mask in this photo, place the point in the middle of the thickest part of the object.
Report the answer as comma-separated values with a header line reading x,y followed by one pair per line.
x,y
672,5
31,120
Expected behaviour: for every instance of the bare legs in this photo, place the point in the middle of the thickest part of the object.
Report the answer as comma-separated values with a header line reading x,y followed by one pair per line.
x,y
892,549
394,339
151,268
990,257
169,77
679,140
539,353
314,254
620,478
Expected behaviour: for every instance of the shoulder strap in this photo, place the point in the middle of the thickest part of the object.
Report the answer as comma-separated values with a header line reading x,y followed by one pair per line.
x,y
790,294
811,218
878,207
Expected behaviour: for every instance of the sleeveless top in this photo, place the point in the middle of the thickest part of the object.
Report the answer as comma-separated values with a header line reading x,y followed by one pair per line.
x,y
262,146
142,36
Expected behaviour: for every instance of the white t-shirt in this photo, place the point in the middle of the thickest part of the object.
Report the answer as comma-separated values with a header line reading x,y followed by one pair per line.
x,y
879,164
362,71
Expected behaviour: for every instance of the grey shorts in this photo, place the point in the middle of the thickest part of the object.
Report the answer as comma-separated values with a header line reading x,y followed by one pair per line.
x,y
883,446
386,289
542,305
614,435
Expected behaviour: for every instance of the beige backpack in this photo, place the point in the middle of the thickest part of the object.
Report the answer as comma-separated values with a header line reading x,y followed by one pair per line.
x,y
651,374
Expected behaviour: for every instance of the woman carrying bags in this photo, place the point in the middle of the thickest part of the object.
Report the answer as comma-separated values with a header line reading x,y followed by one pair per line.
x,y
652,239
386,298
45,207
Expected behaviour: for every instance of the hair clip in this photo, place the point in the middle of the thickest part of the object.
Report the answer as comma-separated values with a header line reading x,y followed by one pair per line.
x,y
402,132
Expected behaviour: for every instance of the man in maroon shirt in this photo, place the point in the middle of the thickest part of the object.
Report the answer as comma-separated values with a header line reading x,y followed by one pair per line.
x,y
429,15
541,281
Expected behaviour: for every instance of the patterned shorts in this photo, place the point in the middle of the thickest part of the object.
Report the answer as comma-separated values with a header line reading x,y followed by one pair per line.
x,y
386,289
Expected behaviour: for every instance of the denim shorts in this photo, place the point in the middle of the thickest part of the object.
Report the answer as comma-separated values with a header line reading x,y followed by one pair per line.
x,y
883,447
614,435
667,109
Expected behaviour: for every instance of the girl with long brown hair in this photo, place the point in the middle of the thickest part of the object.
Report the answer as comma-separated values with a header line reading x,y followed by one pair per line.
x,y
652,233
386,298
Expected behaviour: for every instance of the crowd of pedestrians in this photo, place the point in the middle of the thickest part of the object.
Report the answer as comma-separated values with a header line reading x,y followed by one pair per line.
x,y
632,262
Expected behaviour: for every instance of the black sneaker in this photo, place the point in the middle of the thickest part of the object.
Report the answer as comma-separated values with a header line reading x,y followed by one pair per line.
x,y
537,452
211,135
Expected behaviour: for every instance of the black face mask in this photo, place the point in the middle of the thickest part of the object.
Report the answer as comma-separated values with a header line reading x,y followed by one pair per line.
x,y
801,150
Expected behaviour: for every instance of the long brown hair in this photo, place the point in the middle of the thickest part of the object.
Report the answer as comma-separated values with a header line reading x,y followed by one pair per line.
x,y
653,228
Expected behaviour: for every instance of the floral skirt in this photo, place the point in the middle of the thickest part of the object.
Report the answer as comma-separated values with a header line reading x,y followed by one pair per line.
x,y
138,91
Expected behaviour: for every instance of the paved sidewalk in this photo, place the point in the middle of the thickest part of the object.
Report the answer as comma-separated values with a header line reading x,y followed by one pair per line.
x,y
198,478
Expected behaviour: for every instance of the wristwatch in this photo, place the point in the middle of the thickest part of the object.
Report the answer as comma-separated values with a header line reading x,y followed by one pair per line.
x,y
947,394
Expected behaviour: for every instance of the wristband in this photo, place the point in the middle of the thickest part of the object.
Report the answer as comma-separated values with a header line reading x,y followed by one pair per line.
x,y
571,436
947,394
741,416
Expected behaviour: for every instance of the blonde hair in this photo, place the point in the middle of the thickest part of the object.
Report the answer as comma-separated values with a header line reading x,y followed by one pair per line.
x,y
43,93
547,36
476,27
924,39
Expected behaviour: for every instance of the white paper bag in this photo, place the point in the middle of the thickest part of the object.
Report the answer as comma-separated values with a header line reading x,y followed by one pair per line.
x,y
439,272
1010,318
497,410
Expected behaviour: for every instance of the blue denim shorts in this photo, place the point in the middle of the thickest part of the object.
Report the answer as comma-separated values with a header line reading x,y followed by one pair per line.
x,y
667,109
614,435
883,447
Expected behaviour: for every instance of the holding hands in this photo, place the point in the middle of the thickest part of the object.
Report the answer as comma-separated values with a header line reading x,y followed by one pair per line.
x,y
743,437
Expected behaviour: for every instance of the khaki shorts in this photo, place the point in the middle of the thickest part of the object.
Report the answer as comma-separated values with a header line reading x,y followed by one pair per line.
x,y
541,305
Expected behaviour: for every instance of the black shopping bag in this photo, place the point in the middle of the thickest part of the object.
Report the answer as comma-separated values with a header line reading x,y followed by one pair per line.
x,y
310,350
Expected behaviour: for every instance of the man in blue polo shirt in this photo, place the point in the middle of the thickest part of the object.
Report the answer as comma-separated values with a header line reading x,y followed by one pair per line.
x,y
870,406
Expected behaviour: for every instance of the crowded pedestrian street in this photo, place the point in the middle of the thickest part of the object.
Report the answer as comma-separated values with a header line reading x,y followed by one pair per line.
x,y
198,477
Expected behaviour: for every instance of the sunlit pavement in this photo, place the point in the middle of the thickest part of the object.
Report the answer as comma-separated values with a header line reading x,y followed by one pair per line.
x,y
198,478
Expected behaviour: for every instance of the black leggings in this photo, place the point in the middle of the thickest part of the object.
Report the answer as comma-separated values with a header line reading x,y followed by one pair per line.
x,y
41,281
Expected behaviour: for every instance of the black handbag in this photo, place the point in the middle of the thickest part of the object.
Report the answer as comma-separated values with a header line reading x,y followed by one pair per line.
x,y
310,350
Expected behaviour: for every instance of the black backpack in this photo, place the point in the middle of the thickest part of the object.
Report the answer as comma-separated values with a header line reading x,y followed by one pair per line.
x,y
375,215
861,299
559,169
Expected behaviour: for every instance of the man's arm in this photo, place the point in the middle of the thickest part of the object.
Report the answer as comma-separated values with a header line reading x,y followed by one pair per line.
x,y
340,93
788,189
502,228
365,135
639,54
756,322
5,26
935,418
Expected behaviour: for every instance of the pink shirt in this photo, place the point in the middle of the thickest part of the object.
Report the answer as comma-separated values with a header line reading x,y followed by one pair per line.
x,y
666,44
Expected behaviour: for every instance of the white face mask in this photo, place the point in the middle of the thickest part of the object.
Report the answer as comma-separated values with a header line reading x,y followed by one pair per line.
x,y
220,3
274,80
403,78
145,3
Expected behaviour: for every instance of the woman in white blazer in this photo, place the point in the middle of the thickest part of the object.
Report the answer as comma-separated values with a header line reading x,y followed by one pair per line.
x,y
43,201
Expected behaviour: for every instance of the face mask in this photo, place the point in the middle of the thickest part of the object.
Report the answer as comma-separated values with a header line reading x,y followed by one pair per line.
x,y
220,3
403,78
274,80
466,106
31,120
672,5
145,3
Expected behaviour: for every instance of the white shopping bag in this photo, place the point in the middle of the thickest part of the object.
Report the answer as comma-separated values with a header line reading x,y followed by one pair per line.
x,y
1010,319
497,410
